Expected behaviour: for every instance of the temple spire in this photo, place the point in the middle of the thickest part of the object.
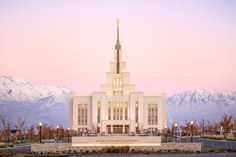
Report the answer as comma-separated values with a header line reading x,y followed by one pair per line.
x,y
117,46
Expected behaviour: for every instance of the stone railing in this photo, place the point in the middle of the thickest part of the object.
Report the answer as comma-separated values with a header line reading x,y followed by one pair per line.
x,y
68,148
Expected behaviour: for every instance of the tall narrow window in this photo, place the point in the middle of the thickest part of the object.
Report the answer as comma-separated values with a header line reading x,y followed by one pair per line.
x,y
126,110
149,114
98,111
79,116
121,82
82,114
156,113
114,82
117,82
152,114
109,110
114,111
117,111
136,111
121,111
85,115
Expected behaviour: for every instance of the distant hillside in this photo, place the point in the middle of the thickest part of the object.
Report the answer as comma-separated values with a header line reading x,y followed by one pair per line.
x,y
200,104
33,102
47,103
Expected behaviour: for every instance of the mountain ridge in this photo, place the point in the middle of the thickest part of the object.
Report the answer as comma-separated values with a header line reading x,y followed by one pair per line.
x,y
48,103
32,102
201,104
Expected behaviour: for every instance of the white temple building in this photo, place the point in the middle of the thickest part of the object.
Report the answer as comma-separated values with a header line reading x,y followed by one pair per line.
x,y
117,108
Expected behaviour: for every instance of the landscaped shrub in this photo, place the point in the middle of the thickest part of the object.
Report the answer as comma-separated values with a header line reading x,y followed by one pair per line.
x,y
231,138
124,149
93,151
132,151
3,145
146,152
103,150
215,137
113,149
13,152
64,152
157,151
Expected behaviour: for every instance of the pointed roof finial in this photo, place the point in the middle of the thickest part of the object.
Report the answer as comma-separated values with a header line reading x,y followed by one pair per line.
x,y
118,46
117,21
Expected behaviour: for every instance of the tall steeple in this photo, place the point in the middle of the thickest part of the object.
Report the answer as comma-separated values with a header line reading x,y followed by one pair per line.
x,y
117,47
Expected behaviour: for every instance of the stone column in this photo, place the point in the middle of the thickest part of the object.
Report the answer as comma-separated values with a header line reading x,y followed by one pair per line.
x,y
132,126
123,129
112,110
123,110
103,127
112,129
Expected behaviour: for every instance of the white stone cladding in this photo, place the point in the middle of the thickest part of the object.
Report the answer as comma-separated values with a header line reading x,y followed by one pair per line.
x,y
118,91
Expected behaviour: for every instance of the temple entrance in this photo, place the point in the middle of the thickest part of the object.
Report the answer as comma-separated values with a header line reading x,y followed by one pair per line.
x,y
117,129
126,129
109,129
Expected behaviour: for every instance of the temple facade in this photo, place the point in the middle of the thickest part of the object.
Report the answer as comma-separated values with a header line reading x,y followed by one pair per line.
x,y
117,108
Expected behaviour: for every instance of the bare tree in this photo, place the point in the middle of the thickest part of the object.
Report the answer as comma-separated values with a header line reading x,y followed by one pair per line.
x,y
226,122
186,129
209,126
202,126
21,126
5,127
31,133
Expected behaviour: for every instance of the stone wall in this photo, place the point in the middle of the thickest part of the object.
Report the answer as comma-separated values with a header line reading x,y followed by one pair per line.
x,y
67,148
171,147
116,140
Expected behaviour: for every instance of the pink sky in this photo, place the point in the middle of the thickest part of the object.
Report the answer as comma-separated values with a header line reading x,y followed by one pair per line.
x,y
169,46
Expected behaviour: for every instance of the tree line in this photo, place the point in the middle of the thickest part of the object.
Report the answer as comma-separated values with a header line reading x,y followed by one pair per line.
x,y
20,132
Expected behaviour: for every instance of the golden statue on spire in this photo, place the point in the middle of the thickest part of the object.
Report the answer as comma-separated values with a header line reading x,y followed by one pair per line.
x,y
117,21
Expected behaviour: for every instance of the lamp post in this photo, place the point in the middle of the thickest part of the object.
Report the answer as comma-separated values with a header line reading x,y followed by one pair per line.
x,y
40,132
138,129
176,126
75,132
191,125
81,132
57,133
203,127
49,134
68,129
166,133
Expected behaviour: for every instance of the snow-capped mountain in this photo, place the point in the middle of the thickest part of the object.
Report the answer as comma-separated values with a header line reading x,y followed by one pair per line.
x,y
32,102
197,105
48,104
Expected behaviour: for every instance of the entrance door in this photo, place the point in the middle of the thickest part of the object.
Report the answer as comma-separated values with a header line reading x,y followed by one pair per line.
x,y
117,129
108,129
126,129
